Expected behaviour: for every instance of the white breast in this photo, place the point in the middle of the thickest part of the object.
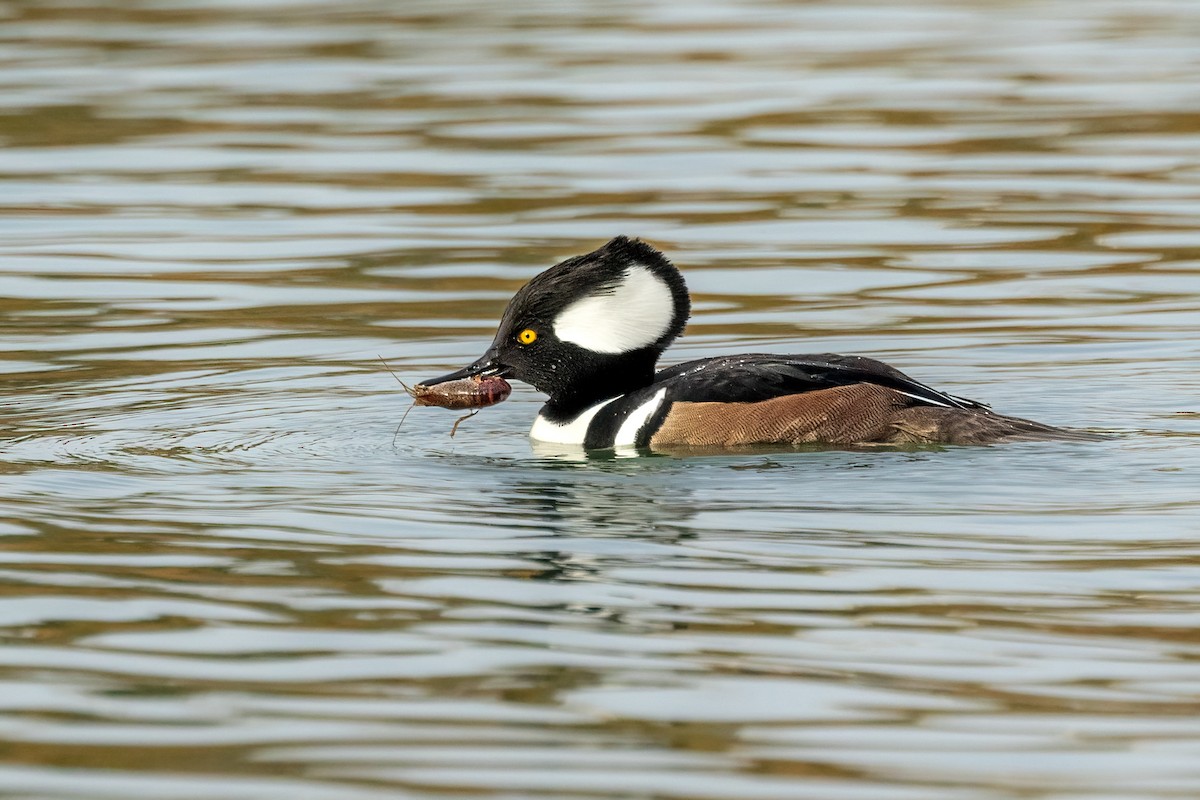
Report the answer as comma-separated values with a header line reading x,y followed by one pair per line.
x,y
575,431
571,432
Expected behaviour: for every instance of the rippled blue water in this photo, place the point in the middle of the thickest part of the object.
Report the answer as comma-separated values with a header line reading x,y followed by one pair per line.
x,y
224,573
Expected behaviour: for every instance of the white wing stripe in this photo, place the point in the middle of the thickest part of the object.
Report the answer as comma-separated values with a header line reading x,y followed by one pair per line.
x,y
635,419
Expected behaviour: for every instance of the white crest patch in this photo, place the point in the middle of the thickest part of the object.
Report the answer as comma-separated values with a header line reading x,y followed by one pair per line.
x,y
634,314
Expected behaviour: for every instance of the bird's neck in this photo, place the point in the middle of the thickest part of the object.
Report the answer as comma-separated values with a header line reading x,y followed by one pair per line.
x,y
621,377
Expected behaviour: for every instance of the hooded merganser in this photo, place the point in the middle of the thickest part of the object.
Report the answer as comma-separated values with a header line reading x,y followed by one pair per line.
x,y
588,332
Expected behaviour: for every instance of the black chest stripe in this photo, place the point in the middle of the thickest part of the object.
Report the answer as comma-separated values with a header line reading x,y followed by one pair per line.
x,y
655,422
602,432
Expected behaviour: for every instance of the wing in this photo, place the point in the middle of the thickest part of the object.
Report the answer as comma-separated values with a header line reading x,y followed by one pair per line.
x,y
755,377
797,384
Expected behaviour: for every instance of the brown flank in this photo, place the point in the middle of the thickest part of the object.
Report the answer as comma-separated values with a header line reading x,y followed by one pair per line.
x,y
858,414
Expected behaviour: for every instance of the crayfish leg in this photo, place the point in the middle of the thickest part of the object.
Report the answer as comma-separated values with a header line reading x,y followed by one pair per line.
x,y
460,420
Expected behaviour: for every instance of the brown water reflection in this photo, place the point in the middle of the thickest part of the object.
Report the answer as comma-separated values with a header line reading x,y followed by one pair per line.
x,y
218,576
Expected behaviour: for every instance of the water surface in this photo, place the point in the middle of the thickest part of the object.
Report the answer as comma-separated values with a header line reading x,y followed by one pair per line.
x,y
222,576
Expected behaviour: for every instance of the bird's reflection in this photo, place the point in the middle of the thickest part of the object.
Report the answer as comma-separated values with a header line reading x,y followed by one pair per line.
x,y
586,495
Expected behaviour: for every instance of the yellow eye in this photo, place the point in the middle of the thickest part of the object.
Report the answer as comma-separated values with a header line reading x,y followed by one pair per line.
x,y
527,336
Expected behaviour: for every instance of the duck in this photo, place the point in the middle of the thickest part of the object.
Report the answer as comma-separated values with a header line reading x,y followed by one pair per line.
x,y
589,331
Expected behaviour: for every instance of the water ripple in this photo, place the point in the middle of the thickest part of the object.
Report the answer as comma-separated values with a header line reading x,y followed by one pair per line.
x,y
226,573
